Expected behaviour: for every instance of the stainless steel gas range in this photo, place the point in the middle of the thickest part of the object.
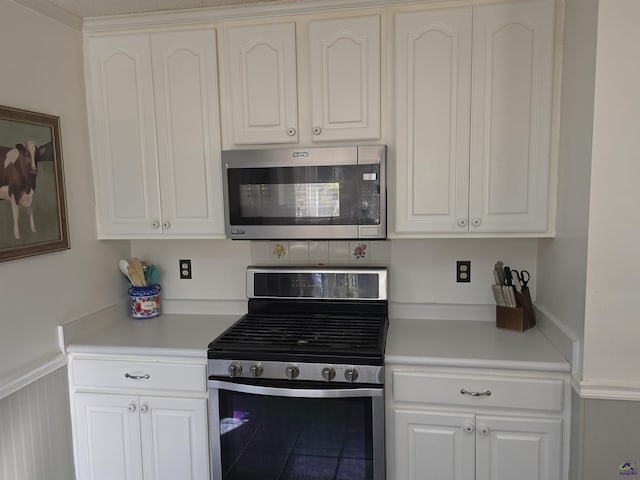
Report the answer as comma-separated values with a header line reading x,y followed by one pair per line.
x,y
296,385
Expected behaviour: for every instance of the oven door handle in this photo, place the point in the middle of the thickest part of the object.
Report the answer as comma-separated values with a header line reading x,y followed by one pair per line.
x,y
297,392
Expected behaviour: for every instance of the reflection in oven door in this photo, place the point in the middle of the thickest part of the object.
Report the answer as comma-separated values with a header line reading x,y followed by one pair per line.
x,y
334,435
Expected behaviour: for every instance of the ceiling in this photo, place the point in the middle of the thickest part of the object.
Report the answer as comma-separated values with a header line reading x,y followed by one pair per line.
x,y
98,8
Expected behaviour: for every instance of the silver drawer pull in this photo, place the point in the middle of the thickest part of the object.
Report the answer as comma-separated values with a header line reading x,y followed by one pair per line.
x,y
476,394
137,377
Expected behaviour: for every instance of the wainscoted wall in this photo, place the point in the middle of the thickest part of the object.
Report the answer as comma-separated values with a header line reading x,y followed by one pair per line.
x,y
35,431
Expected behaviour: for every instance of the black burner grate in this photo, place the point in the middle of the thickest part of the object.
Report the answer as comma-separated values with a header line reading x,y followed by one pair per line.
x,y
274,337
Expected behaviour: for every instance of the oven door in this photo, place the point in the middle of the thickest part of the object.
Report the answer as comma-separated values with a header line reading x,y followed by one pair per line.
x,y
263,432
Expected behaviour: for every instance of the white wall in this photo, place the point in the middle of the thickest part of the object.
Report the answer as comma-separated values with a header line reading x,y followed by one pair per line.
x,y
612,332
562,261
42,72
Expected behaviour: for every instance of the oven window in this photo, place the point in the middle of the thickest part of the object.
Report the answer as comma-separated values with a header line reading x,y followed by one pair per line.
x,y
282,438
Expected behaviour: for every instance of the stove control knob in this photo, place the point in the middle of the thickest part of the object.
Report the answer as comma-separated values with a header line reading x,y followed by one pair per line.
x,y
235,369
328,373
256,370
292,372
351,375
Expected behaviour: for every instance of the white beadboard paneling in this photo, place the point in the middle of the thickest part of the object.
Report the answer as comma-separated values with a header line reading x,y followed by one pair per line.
x,y
35,431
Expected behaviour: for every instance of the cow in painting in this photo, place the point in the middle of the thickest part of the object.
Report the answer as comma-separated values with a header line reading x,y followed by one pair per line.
x,y
18,171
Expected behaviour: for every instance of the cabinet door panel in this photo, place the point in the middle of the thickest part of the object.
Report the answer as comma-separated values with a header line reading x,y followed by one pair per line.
x,y
107,437
344,65
123,139
433,446
185,79
262,83
174,438
528,448
433,84
511,116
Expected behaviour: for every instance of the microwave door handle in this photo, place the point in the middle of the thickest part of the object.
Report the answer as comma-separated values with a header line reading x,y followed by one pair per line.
x,y
296,392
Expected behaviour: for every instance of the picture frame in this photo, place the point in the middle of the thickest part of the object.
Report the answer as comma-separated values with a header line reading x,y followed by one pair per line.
x,y
33,213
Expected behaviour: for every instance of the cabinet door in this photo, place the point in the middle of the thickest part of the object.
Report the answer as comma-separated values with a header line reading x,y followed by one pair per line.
x,y
434,446
123,137
186,99
174,438
432,89
523,448
344,66
511,116
261,83
107,437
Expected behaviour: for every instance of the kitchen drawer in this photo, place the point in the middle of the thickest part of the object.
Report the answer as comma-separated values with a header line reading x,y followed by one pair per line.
x,y
506,392
137,376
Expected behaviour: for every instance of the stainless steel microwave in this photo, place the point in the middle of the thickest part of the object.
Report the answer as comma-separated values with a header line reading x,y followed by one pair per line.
x,y
315,193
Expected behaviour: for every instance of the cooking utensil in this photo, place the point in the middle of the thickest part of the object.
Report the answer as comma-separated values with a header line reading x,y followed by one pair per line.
x,y
137,280
137,265
123,265
523,277
507,276
498,269
153,274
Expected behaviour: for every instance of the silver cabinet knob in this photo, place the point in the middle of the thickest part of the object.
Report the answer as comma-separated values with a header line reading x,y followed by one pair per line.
x,y
155,225
144,409
291,132
131,407
317,130
256,369
235,369
462,222
292,372
483,430
328,373
166,224
351,375
469,427
476,222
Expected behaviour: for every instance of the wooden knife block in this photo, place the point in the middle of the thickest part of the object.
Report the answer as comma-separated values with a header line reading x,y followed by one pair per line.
x,y
521,317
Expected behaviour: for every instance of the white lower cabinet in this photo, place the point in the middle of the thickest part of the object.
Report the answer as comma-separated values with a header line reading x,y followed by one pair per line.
x,y
119,434
463,433
458,446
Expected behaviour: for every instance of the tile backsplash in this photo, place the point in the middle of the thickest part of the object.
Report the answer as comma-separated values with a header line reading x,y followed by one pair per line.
x,y
316,252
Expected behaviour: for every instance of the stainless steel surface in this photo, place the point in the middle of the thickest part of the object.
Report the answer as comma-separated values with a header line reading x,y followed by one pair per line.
x,y
297,392
314,156
380,272
299,371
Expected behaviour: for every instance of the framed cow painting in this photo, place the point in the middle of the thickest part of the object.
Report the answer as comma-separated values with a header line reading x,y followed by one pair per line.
x,y
33,214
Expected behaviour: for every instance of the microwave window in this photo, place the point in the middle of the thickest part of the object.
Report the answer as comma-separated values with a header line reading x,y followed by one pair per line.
x,y
309,195
293,200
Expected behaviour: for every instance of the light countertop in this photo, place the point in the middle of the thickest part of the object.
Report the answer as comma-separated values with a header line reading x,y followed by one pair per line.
x,y
113,331
454,343
473,344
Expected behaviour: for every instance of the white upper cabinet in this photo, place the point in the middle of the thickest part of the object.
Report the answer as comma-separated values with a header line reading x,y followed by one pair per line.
x,y
155,133
433,91
511,116
473,92
302,82
344,74
260,64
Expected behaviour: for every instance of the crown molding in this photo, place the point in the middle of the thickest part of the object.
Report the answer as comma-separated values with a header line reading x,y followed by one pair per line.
x,y
53,12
